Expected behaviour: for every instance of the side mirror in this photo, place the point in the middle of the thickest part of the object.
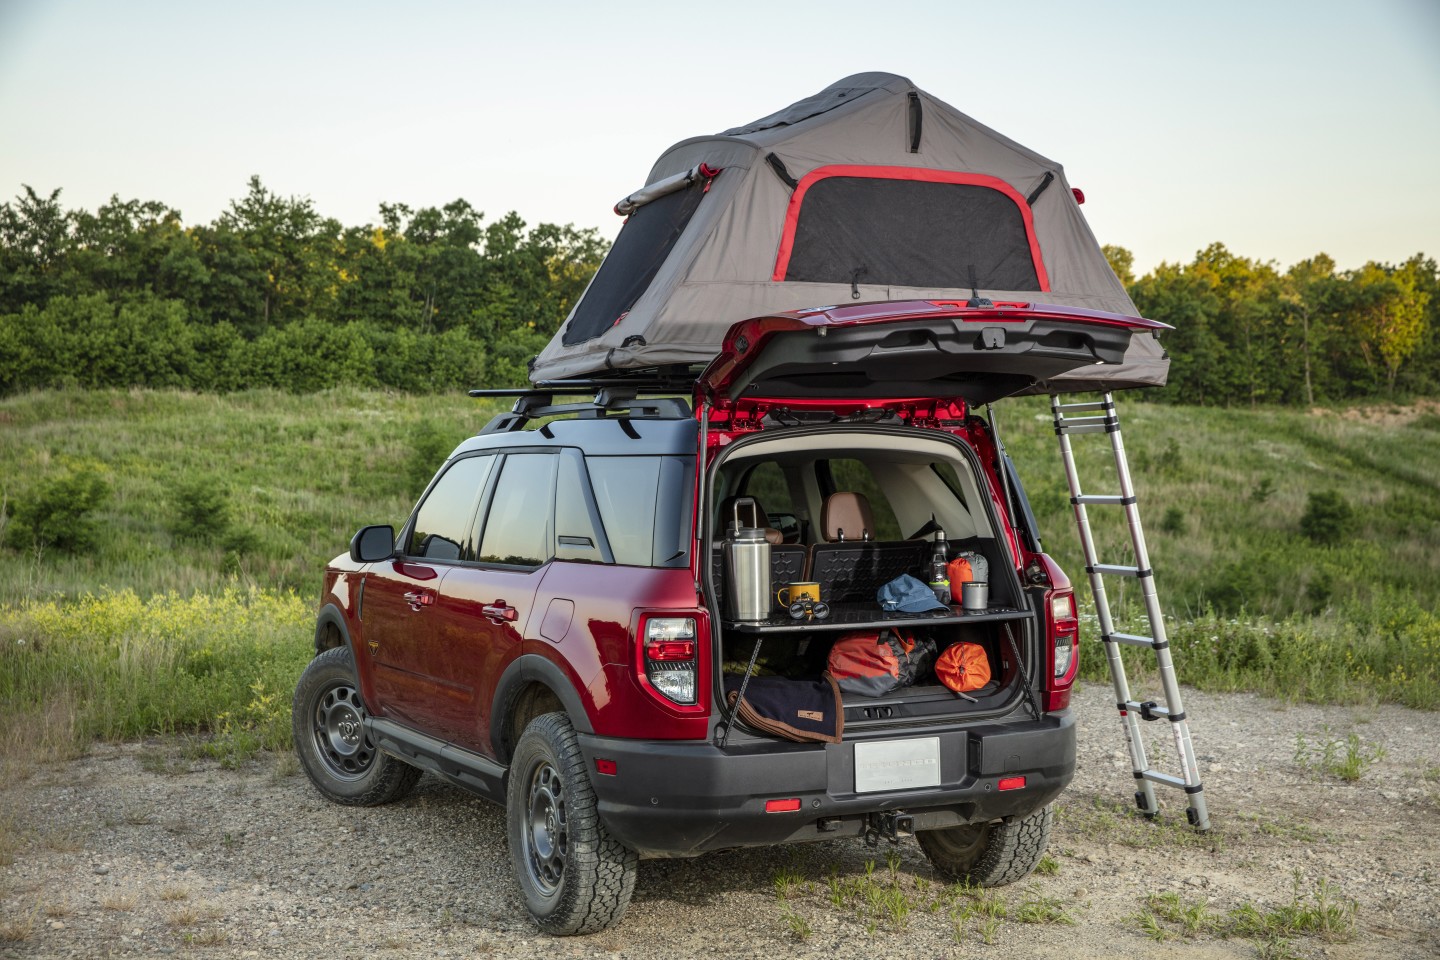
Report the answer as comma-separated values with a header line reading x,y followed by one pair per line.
x,y
373,544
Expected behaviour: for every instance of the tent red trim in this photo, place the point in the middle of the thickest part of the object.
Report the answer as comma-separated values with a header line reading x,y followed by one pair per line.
x,y
792,213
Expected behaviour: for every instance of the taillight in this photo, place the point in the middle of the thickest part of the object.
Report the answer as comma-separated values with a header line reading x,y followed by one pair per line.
x,y
669,656
1063,628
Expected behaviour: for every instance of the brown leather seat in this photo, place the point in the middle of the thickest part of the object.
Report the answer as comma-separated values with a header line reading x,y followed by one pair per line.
x,y
847,516
850,565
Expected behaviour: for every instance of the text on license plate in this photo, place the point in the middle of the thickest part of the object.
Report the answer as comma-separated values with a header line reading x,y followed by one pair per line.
x,y
897,764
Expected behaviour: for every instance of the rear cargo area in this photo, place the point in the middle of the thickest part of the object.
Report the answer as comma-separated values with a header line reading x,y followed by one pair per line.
x,y
847,512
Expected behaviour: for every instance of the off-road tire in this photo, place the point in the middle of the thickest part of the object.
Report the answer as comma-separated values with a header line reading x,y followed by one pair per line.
x,y
574,877
989,854
346,769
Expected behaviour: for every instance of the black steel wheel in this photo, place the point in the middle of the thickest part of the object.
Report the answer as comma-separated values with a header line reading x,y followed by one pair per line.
x,y
339,730
574,876
335,748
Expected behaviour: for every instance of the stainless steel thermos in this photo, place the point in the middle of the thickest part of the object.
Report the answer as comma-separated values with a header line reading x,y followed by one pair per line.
x,y
747,567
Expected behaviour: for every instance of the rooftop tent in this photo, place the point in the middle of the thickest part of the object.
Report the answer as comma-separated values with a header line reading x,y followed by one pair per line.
x,y
869,190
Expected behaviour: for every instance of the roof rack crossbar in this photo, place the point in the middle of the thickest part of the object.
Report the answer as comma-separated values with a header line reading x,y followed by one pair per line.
x,y
536,403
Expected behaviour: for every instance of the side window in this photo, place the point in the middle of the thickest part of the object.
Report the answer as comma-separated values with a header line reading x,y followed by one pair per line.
x,y
577,526
854,476
625,490
767,484
517,527
442,524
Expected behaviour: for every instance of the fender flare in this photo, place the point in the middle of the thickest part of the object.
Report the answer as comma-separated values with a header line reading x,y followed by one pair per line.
x,y
330,615
526,669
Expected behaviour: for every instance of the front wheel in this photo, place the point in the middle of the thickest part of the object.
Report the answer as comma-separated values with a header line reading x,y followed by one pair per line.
x,y
327,719
989,854
574,876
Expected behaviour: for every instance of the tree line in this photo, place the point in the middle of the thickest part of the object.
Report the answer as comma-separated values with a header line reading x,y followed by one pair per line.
x,y
272,294
1247,332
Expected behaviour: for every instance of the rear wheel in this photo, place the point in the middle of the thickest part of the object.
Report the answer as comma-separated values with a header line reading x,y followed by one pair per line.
x,y
327,719
574,876
989,854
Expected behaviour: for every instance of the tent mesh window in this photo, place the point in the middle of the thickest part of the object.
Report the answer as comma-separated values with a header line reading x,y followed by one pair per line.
x,y
642,246
910,233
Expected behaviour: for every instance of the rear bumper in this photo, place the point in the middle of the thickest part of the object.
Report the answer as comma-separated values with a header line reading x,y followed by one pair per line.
x,y
677,799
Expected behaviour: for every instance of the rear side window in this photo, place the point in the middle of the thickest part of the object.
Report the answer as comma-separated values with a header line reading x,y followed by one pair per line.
x,y
443,522
644,504
577,525
517,526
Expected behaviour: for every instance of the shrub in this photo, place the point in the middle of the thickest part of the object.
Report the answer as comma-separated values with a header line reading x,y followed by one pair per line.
x,y
57,512
1328,518
202,511
1174,521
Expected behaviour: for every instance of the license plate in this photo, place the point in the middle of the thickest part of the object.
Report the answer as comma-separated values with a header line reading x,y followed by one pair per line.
x,y
897,764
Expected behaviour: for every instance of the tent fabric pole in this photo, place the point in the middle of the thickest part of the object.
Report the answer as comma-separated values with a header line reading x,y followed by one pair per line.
x,y
662,188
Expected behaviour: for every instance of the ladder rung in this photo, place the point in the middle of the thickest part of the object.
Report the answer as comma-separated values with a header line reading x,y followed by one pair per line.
x,y
1155,776
1110,499
1118,570
1069,427
1149,710
1133,640
1094,405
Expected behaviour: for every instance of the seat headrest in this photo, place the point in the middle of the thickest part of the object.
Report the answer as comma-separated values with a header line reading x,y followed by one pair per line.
x,y
847,516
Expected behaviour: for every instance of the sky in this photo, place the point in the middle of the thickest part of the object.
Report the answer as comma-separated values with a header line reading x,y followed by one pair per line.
x,y
1279,128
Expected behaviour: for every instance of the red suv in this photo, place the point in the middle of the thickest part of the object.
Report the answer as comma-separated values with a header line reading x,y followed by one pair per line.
x,y
549,628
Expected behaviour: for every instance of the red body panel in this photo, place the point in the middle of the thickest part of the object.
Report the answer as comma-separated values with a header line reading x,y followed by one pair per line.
x,y
597,652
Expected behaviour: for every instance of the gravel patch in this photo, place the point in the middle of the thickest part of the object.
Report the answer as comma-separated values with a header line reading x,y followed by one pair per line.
x,y
133,851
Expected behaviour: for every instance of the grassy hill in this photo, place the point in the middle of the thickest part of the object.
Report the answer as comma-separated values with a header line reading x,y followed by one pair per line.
x,y
206,494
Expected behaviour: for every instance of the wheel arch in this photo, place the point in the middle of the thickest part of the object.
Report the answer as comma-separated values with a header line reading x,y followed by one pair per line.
x,y
529,687
331,631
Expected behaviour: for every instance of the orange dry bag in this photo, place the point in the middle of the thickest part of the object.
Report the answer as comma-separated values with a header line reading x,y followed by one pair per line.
x,y
963,667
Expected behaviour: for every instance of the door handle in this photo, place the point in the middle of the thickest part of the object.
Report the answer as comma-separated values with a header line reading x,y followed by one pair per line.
x,y
500,610
418,599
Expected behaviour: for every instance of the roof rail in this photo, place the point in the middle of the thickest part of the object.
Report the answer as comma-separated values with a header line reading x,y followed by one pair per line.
x,y
539,401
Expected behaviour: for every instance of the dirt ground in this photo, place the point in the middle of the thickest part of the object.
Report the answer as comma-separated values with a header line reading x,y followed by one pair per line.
x,y
135,851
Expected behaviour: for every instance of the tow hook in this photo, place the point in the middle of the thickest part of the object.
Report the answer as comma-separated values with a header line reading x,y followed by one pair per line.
x,y
893,825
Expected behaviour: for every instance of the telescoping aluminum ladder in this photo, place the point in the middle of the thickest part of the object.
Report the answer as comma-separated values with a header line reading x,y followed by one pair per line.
x,y
1100,417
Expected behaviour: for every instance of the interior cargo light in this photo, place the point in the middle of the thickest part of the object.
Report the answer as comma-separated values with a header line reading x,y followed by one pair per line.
x,y
782,806
1011,783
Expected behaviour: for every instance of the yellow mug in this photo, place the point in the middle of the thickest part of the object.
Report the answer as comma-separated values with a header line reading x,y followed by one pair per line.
x,y
797,591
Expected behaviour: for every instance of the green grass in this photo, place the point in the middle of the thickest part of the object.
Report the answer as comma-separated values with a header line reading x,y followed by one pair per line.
x,y
169,623
1252,603
1321,913
300,475
118,667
